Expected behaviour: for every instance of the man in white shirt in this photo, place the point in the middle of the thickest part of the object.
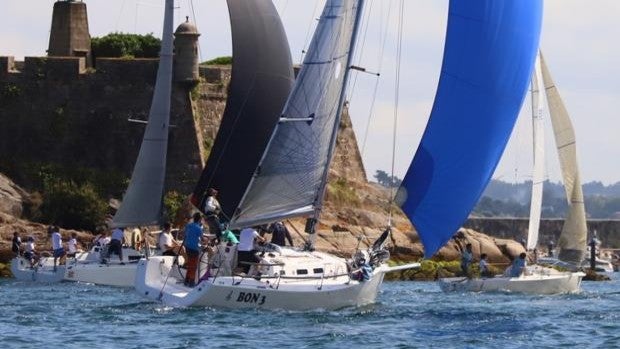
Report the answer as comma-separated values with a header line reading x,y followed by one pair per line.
x,y
245,249
167,244
59,251
72,245
116,244
212,211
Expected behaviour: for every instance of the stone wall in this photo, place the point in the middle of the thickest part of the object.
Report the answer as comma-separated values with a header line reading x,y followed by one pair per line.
x,y
608,231
54,111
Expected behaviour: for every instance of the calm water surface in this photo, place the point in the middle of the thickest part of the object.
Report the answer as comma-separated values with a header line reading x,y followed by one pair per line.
x,y
408,315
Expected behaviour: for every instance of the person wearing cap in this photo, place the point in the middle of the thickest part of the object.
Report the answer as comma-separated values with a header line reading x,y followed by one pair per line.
x,y
191,242
212,211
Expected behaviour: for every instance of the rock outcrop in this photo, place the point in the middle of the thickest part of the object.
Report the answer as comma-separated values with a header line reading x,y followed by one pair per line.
x,y
12,197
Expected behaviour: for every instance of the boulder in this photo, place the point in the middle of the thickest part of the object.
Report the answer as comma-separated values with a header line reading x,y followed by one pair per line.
x,y
12,197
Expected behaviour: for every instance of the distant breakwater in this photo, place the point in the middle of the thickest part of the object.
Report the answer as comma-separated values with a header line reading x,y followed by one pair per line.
x,y
607,230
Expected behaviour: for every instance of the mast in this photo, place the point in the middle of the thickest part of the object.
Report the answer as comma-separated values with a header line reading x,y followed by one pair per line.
x,y
538,138
318,205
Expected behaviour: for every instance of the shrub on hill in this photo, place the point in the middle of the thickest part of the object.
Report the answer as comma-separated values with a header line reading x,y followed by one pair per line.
x,y
126,45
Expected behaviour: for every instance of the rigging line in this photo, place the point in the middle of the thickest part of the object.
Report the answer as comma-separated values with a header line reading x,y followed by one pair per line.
x,y
195,20
283,11
118,19
312,19
399,54
383,42
360,52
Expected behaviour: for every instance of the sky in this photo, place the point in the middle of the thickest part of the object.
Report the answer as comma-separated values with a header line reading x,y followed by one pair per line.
x,y
577,40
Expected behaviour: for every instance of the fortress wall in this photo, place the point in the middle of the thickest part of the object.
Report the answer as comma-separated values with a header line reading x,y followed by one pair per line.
x,y
54,111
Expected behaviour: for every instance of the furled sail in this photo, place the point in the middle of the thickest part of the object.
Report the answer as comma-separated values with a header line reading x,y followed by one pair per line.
x,y
262,79
291,177
572,241
538,173
142,203
488,59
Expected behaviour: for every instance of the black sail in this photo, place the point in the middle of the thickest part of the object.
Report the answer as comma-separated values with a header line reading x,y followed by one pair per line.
x,y
262,78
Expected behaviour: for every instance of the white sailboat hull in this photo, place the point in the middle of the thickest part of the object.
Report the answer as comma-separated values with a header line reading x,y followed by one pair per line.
x,y
112,274
44,273
152,281
536,283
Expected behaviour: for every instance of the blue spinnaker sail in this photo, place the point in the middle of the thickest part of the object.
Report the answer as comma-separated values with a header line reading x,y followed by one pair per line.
x,y
488,60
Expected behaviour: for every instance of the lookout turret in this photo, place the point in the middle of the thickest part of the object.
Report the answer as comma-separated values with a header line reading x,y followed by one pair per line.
x,y
69,36
186,53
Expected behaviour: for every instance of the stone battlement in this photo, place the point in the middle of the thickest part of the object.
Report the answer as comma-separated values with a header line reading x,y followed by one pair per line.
x,y
70,68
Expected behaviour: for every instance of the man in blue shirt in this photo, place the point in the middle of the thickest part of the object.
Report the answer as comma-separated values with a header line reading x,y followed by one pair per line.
x,y
193,232
518,266
466,257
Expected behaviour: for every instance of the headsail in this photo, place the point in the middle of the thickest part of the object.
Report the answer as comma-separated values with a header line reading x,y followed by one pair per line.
x,y
488,59
262,79
142,203
538,173
572,241
291,177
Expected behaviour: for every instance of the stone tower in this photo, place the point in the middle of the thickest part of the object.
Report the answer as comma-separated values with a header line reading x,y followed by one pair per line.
x,y
69,36
186,53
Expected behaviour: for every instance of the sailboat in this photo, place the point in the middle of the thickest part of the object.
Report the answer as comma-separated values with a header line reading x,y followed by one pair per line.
x,y
142,203
289,181
539,279
42,271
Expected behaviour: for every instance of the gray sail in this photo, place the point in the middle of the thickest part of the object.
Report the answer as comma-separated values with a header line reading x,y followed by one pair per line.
x,y
142,203
262,79
291,176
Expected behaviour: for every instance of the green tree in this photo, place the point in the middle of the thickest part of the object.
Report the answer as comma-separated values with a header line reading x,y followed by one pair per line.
x,y
126,45
72,205
382,178
225,60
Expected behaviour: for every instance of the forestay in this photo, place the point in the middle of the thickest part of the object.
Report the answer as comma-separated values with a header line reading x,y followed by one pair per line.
x,y
291,176
488,60
262,79
142,203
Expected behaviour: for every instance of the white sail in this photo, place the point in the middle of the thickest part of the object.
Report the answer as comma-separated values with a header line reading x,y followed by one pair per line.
x,y
572,241
142,202
538,173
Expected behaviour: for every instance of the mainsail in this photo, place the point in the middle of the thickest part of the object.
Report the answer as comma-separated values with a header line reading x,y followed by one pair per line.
x,y
538,173
572,241
290,179
142,203
262,79
488,59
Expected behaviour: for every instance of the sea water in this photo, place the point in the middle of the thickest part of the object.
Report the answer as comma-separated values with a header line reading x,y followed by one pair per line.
x,y
407,315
